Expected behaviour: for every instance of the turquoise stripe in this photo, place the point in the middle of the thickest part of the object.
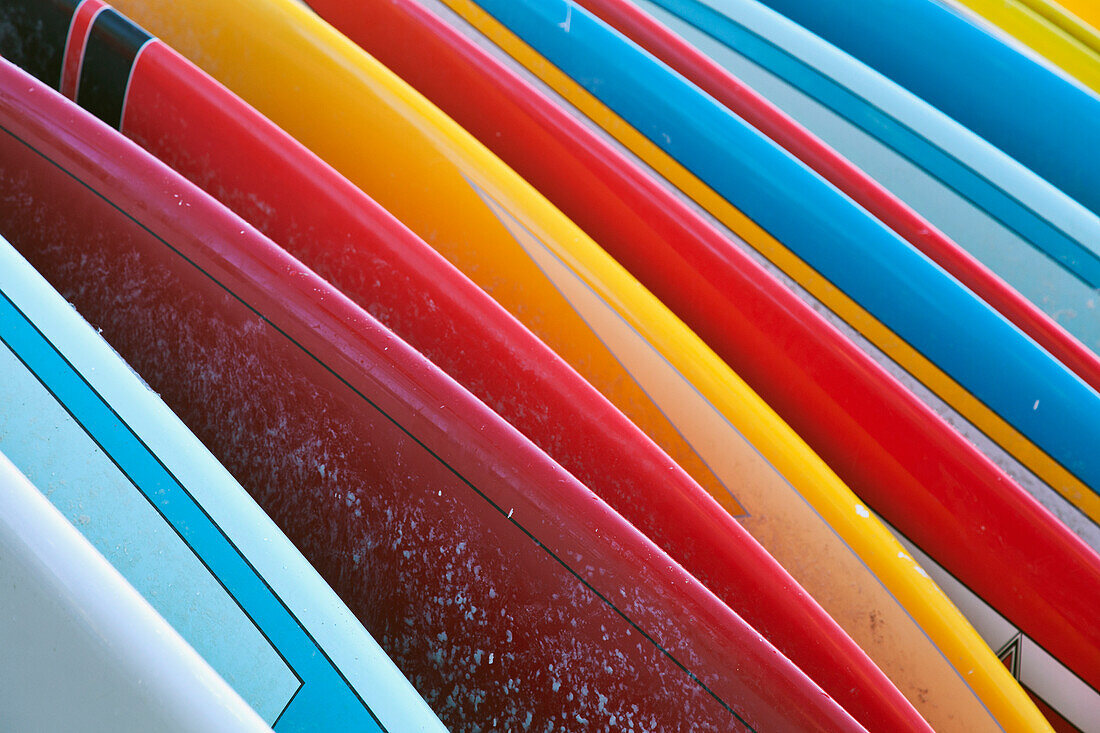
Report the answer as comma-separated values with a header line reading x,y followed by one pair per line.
x,y
1047,238
1034,114
1048,283
325,701
880,271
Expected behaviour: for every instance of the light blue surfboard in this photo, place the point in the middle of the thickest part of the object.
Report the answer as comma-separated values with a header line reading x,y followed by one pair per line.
x,y
107,452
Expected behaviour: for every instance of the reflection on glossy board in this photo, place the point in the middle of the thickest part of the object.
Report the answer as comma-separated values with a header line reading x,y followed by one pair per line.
x,y
120,466
513,243
1052,34
891,448
335,229
82,649
501,587
1086,10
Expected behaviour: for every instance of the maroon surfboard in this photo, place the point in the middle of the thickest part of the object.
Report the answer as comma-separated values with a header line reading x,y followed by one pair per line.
x,y
907,463
508,593
170,107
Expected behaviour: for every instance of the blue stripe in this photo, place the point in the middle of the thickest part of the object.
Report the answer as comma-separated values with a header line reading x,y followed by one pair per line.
x,y
903,289
1020,218
1034,114
324,701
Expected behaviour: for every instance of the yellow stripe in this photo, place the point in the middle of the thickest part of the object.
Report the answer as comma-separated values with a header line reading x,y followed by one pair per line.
x,y
1072,20
989,422
1069,50
388,139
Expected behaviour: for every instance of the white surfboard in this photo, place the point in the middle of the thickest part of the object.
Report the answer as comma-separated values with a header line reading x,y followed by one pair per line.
x,y
118,464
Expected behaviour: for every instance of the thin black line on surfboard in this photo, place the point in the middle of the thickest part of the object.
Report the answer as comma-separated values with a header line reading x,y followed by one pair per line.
x,y
103,403
403,429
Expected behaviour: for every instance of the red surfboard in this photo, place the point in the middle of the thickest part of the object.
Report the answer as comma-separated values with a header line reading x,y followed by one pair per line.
x,y
508,593
891,449
319,217
647,32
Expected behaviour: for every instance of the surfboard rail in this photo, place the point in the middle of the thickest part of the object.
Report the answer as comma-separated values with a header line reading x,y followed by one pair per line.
x,y
246,337
879,435
741,99
324,220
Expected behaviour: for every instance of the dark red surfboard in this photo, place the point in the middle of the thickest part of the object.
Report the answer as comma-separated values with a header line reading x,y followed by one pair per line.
x,y
318,216
891,449
508,593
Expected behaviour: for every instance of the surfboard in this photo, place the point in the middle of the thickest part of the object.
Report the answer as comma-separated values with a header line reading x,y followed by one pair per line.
x,y
82,649
333,228
601,192
546,271
744,101
897,318
143,490
1082,10
1003,213
506,592
1026,109
581,293
1051,33
580,47
1076,653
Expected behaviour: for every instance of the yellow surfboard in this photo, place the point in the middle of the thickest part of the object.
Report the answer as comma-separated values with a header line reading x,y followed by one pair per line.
x,y
490,223
1084,12
1050,30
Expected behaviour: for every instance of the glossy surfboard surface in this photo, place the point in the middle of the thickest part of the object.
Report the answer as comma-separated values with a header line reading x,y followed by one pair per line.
x,y
82,649
585,306
1000,211
322,219
503,589
111,456
886,290
1046,28
811,370
1084,10
1031,112
1075,660
758,111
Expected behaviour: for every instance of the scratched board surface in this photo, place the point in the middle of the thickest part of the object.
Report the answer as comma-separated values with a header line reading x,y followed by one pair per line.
x,y
491,575
121,467
509,240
